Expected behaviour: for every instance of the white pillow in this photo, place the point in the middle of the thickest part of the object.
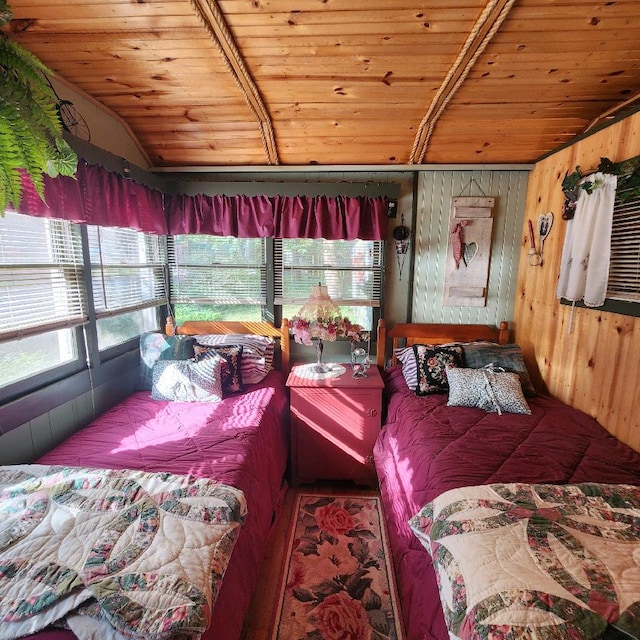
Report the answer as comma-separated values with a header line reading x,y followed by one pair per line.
x,y
257,353
485,389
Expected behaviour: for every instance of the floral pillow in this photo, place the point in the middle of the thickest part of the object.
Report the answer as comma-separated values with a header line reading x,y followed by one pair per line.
x,y
432,364
231,364
492,391
188,381
257,354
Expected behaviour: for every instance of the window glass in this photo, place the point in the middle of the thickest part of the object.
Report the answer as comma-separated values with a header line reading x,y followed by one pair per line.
x,y
624,267
41,276
26,357
352,270
115,330
128,280
217,277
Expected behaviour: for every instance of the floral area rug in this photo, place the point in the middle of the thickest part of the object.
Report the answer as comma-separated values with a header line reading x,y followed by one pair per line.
x,y
337,582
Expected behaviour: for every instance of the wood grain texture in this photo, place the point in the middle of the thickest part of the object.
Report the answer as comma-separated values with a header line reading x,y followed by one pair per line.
x,y
333,82
595,367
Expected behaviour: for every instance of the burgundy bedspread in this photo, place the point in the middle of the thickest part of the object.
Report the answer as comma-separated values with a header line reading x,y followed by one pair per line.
x,y
426,448
241,441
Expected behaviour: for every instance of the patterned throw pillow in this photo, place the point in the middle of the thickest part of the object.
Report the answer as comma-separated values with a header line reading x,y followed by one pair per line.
x,y
257,353
156,346
507,357
188,381
433,363
488,390
231,364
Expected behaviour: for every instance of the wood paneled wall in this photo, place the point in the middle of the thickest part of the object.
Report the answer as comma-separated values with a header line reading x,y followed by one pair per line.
x,y
595,367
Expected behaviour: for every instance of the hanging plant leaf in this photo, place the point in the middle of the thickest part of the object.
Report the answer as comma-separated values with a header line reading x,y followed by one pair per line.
x,y
30,129
627,171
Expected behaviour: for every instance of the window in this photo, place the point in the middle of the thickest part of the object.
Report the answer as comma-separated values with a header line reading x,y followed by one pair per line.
x,y
41,295
128,280
217,278
352,270
624,267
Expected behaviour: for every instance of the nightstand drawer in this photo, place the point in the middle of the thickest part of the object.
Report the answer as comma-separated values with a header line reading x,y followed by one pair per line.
x,y
334,430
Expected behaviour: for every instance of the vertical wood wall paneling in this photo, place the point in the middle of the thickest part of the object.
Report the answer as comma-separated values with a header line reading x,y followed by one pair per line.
x,y
435,190
596,367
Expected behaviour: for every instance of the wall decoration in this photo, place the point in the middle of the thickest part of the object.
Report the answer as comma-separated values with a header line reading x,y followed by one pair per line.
x,y
545,222
401,235
467,263
628,176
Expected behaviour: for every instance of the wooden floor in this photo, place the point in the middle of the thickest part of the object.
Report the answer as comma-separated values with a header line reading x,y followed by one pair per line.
x,y
265,601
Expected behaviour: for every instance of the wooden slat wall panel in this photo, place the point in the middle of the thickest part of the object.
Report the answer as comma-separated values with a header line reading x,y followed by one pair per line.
x,y
596,367
340,81
435,190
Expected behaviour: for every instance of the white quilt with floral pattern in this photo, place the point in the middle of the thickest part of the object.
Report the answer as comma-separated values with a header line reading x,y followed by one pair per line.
x,y
112,553
537,562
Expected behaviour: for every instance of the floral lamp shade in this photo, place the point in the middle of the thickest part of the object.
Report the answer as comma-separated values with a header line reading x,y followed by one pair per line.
x,y
321,318
318,317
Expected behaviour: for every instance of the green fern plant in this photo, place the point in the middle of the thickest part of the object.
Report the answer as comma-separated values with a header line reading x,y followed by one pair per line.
x,y
30,128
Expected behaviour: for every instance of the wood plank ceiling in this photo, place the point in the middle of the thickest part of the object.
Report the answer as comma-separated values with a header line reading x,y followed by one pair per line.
x,y
342,82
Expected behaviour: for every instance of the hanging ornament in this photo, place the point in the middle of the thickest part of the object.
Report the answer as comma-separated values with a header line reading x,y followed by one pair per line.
x,y
401,236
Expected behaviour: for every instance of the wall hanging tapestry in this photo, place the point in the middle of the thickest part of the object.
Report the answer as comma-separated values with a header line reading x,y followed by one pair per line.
x,y
337,581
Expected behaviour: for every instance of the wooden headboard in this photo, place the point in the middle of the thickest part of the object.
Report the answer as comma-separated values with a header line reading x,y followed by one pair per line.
x,y
409,333
205,327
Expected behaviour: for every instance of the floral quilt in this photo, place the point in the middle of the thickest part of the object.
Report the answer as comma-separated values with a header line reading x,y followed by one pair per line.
x,y
112,553
536,561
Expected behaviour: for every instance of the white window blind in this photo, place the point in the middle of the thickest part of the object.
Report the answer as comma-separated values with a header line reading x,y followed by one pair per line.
x,y
624,267
127,270
41,276
217,270
352,270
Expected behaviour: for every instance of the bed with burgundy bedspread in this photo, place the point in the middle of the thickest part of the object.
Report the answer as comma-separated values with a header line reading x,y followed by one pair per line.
x,y
482,542
239,443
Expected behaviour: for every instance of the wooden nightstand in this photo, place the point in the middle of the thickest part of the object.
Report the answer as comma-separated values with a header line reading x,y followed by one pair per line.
x,y
334,425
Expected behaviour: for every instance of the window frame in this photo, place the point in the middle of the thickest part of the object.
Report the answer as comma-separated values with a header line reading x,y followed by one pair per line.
x,y
377,268
614,303
264,268
112,351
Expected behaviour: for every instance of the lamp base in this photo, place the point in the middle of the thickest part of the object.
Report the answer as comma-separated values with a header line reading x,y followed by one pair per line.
x,y
320,367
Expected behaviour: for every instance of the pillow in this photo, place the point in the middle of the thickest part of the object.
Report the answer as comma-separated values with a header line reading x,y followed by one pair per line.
x,y
231,364
486,389
507,357
188,381
433,362
257,353
407,358
156,346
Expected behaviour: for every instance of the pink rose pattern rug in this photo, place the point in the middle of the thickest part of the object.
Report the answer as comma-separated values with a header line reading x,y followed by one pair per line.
x,y
338,583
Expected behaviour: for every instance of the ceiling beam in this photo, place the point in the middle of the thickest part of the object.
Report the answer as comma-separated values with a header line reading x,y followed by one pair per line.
x,y
483,30
209,13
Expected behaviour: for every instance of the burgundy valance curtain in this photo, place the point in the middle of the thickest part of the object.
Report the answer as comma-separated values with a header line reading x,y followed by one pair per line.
x,y
99,197
332,218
